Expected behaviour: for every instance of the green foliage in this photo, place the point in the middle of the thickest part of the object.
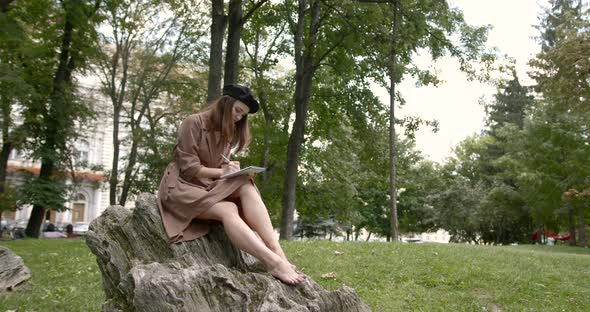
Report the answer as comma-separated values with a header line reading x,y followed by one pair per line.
x,y
553,155
49,194
8,199
534,151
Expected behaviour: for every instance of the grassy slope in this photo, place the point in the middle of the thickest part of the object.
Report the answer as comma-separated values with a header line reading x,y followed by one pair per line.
x,y
388,277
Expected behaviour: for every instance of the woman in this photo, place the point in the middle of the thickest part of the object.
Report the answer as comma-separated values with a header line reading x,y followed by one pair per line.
x,y
192,192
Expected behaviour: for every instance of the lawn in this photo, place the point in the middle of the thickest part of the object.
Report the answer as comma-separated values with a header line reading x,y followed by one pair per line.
x,y
387,276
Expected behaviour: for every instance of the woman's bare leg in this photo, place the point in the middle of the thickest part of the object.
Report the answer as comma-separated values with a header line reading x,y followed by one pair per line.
x,y
240,234
256,216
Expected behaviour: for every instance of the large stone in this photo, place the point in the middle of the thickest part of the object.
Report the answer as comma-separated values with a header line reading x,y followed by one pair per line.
x,y
13,271
141,271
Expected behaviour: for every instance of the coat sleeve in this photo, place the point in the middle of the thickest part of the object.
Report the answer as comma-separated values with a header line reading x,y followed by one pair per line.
x,y
187,153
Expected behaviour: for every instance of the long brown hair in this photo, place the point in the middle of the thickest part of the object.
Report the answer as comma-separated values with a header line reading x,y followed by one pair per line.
x,y
236,134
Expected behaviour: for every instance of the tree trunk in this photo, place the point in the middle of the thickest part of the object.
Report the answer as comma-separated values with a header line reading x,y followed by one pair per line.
x,y
57,107
129,172
36,219
232,50
392,144
6,142
540,234
216,50
368,236
582,231
4,154
113,180
268,124
303,87
572,225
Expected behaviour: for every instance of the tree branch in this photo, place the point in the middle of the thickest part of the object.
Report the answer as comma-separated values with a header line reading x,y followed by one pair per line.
x,y
330,50
252,10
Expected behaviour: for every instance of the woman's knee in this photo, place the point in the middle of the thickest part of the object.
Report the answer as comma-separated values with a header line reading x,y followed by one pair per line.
x,y
247,189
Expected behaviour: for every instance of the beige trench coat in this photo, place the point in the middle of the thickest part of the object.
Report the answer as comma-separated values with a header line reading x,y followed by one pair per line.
x,y
182,196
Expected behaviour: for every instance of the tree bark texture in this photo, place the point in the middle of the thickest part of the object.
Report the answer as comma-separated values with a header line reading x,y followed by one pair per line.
x,y
6,141
582,231
117,93
539,235
13,271
234,34
216,50
141,271
303,87
392,143
572,225
4,154
114,179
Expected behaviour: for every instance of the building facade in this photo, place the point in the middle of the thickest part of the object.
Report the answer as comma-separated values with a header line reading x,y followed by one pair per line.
x,y
90,194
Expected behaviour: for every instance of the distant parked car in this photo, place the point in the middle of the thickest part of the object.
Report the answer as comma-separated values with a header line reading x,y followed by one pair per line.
x,y
81,228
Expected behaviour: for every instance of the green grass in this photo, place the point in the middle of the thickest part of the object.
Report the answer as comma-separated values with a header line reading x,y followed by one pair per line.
x,y
387,276
65,277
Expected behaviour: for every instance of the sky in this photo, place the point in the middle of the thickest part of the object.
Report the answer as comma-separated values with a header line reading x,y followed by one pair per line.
x,y
455,104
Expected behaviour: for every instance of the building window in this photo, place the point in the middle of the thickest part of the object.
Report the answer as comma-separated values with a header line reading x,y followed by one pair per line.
x,y
78,208
15,155
82,149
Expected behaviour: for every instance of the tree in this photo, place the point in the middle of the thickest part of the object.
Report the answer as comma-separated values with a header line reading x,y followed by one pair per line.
x,y
562,75
134,67
329,31
264,43
304,51
14,88
218,24
186,86
503,206
235,23
234,33
52,116
410,26
551,154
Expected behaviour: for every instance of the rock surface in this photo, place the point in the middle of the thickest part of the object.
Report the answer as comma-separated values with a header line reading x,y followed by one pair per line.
x,y
142,272
13,271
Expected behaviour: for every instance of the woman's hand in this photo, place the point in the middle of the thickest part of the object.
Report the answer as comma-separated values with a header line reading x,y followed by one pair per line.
x,y
231,167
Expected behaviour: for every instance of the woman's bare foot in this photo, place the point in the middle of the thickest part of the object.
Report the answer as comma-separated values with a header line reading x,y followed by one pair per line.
x,y
286,274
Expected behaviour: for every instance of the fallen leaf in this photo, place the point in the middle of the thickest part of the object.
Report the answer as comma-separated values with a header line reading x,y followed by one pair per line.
x,y
331,275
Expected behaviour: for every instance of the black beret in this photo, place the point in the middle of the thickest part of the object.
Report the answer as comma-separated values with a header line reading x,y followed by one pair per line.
x,y
243,94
